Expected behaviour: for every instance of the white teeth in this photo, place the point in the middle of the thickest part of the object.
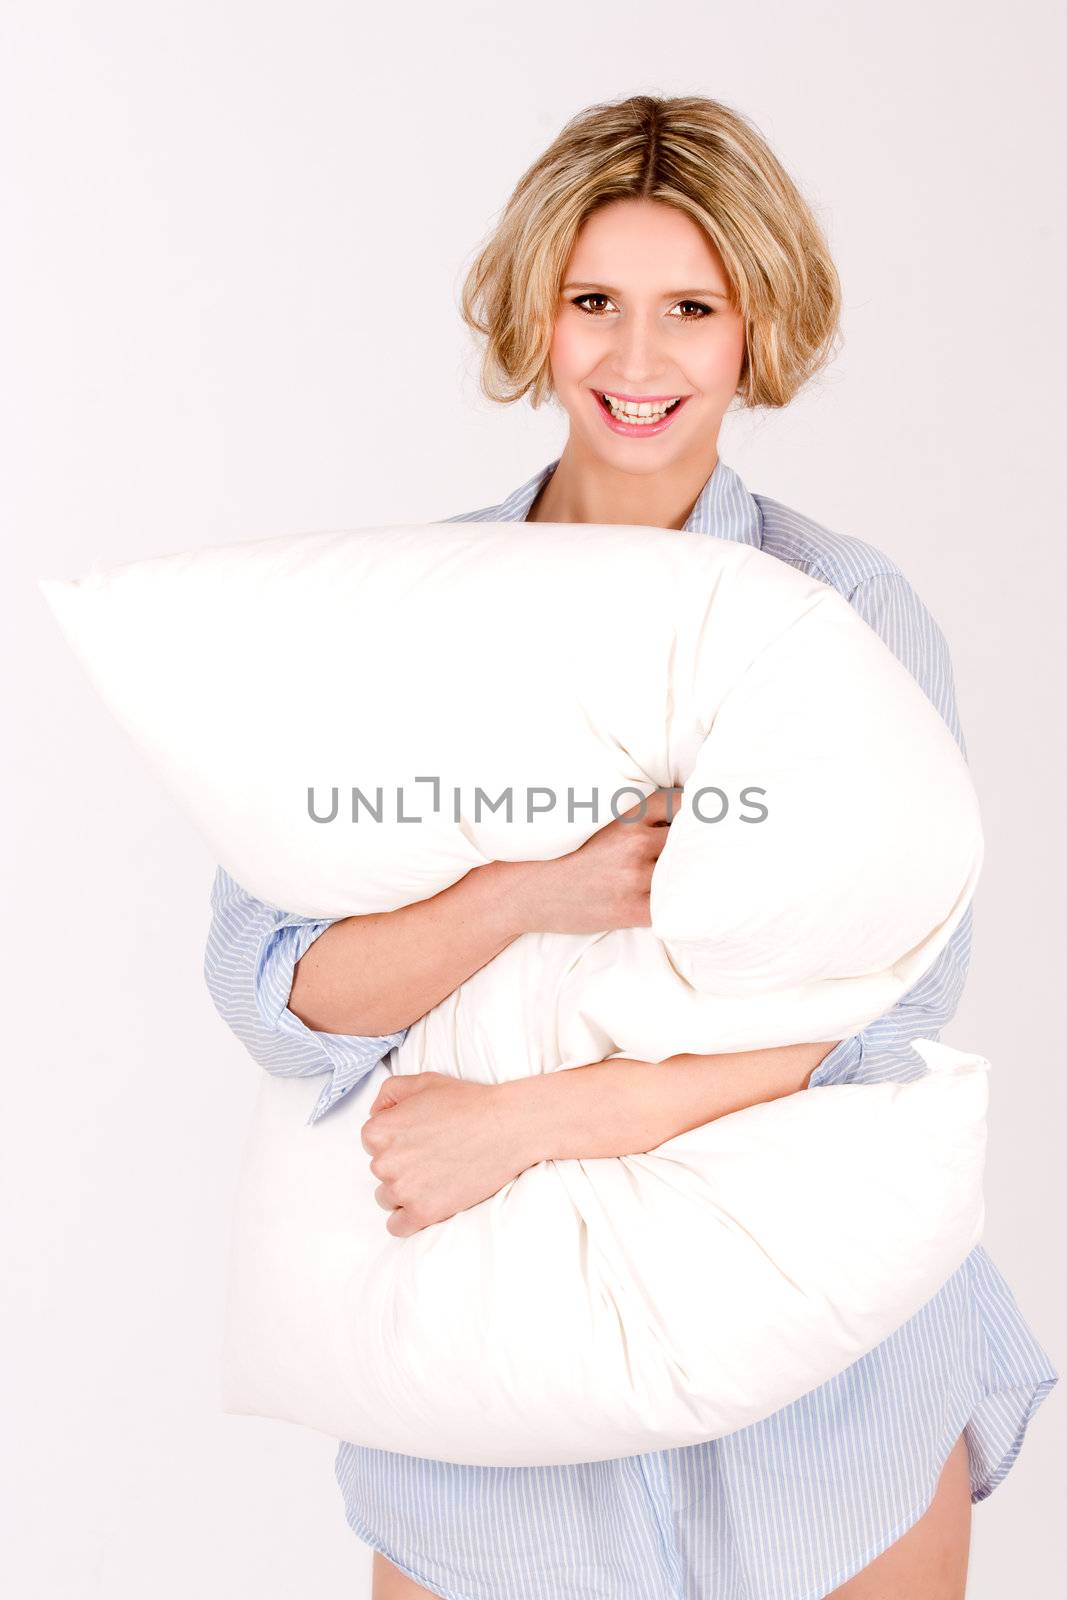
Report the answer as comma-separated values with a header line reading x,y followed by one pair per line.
x,y
643,411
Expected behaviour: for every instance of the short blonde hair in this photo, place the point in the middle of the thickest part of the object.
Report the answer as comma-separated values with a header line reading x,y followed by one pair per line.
x,y
709,162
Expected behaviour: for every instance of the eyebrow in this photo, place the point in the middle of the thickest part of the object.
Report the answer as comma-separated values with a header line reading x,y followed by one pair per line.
x,y
671,294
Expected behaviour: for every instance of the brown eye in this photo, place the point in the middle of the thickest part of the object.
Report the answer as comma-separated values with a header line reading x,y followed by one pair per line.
x,y
591,295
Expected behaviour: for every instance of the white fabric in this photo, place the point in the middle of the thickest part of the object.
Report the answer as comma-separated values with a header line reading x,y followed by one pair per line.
x,y
591,1308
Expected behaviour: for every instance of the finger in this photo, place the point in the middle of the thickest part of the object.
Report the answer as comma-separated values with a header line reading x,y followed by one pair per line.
x,y
654,807
401,1225
638,812
402,1084
395,1089
663,805
655,839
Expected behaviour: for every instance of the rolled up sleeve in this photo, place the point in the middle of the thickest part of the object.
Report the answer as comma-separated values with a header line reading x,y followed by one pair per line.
x,y
251,953
882,1052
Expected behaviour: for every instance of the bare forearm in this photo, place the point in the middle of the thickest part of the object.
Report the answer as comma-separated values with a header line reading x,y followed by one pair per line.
x,y
626,1107
379,973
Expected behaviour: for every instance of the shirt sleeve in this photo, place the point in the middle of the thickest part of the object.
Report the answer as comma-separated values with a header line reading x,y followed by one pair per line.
x,y
252,950
882,1052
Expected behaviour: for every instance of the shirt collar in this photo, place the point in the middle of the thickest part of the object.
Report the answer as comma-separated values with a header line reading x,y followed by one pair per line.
x,y
724,507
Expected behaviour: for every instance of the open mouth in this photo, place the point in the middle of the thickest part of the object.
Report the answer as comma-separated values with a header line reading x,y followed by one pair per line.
x,y
638,416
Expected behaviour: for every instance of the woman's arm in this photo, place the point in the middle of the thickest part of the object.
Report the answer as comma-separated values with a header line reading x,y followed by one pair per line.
x,y
624,1107
440,1145
403,962
374,973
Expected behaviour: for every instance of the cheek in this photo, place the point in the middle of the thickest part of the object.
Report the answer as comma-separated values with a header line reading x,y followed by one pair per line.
x,y
576,348
719,364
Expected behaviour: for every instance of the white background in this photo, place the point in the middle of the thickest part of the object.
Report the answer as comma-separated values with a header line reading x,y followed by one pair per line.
x,y
233,240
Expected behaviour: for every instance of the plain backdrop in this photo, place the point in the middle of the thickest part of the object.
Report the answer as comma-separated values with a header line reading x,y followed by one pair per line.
x,y
233,238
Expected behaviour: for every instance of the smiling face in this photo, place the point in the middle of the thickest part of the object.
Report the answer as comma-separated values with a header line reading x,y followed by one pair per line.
x,y
645,316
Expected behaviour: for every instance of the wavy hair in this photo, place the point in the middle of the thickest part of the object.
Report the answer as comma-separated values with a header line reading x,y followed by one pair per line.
x,y
707,161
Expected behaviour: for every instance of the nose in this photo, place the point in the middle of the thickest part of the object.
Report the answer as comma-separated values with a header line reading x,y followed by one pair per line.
x,y
638,358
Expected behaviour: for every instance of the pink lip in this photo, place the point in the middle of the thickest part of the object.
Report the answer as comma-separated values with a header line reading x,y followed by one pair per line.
x,y
639,398
633,429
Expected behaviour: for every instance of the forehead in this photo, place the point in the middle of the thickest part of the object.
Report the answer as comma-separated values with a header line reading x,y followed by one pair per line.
x,y
644,243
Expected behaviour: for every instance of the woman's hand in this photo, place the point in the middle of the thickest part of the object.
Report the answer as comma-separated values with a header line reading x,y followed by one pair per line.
x,y
441,1145
605,883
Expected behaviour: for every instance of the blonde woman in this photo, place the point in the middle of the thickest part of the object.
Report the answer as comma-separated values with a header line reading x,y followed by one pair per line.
x,y
654,265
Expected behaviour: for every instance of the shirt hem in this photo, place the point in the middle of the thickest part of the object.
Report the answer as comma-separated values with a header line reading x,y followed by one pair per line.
x,y
980,1490
363,1532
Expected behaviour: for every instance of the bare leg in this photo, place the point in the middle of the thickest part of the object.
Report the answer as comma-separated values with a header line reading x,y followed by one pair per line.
x,y
929,1562
389,1583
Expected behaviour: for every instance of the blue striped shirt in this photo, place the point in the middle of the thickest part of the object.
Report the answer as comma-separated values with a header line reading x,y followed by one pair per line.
x,y
788,1508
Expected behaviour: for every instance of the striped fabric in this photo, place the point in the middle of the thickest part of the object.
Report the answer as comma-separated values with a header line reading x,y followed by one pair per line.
x,y
786,1509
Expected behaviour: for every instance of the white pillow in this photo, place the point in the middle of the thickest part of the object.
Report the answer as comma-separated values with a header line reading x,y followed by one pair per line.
x,y
562,1320
596,1308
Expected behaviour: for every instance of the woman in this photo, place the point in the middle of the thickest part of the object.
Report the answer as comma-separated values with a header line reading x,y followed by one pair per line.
x,y
655,262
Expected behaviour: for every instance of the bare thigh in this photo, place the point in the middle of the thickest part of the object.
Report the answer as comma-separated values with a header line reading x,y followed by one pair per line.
x,y
389,1583
929,1562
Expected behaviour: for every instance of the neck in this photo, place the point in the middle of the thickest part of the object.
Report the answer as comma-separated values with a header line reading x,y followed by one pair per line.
x,y
585,489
